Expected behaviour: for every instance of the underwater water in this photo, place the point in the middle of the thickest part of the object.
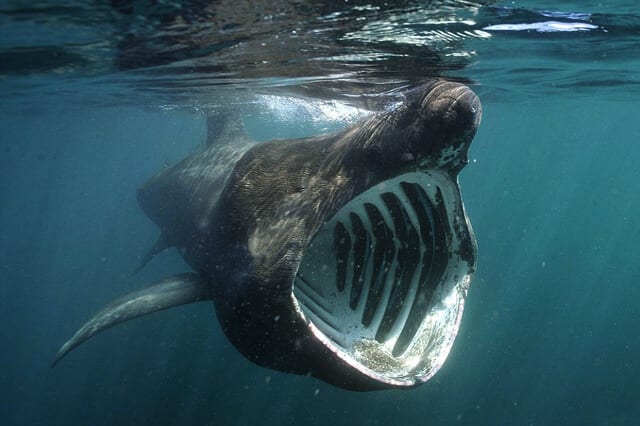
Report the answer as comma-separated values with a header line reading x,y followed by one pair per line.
x,y
95,102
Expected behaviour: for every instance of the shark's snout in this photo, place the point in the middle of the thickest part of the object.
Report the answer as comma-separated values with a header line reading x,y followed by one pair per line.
x,y
451,116
452,106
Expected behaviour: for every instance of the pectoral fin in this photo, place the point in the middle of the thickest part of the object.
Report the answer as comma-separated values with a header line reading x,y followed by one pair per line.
x,y
160,245
174,291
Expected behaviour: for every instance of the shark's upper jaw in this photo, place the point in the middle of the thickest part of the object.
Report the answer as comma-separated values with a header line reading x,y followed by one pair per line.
x,y
382,284
433,128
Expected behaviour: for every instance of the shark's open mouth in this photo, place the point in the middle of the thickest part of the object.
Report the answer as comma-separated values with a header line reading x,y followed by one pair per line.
x,y
383,282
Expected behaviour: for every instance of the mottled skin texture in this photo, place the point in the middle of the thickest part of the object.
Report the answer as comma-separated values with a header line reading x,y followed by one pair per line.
x,y
249,238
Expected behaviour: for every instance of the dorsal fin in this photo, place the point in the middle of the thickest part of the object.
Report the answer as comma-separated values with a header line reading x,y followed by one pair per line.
x,y
225,126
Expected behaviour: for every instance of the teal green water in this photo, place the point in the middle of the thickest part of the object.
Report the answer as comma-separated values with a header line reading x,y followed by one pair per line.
x,y
551,325
548,336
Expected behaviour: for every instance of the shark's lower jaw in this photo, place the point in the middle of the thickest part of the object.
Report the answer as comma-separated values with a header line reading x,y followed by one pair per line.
x,y
383,283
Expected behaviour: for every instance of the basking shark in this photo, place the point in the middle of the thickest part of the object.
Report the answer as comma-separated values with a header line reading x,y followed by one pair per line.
x,y
346,256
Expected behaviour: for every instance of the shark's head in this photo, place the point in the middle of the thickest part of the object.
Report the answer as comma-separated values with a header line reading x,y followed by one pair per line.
x,y
352,253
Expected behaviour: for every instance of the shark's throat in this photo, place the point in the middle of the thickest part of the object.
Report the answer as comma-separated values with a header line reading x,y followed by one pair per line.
x,y
383,282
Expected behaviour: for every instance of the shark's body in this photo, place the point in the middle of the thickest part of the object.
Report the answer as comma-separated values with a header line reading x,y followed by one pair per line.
x,y
345,256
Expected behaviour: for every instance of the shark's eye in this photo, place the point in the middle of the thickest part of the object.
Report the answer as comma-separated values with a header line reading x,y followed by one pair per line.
x,y
382,283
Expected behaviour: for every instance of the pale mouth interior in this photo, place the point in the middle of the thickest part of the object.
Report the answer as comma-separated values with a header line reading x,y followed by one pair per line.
x,y
381,284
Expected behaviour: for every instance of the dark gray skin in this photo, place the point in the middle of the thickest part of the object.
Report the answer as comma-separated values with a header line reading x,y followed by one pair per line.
x,y
245,228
